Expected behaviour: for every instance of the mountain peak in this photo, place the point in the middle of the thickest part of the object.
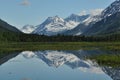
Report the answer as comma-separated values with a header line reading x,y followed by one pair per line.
x,y
74,15
28,28
112,9
76,18
56,25
54,19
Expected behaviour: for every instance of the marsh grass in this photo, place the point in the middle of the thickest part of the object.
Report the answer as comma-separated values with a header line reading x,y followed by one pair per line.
x,y
112,60
21,46
109,60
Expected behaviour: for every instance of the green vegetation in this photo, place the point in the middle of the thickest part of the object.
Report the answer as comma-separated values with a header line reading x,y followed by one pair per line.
x,y
104,60
112,60
20,46
9,36
11,41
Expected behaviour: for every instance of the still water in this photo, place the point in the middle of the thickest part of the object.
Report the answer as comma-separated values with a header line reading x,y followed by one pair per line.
x,y
55,65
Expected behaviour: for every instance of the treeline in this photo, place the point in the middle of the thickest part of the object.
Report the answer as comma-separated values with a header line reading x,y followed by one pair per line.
x,y
8,36
64,38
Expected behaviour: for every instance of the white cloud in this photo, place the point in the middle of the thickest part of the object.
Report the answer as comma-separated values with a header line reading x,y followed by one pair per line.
x,y
83,13
25,3
95,11
92,12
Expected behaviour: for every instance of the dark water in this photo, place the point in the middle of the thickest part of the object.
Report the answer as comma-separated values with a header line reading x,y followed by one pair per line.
x,y
55,65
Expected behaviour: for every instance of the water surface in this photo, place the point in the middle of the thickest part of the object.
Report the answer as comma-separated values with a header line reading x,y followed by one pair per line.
x,y
56,65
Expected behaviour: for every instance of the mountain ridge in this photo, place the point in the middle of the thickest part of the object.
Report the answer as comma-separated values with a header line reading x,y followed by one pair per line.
x,y
110,22
59,25
79,24
7,27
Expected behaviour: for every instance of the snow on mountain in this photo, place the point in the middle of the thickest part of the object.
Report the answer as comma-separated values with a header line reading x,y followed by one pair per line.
x,y
75,24
56,58
112,9
93,17
56,25
59,58
28,28
109,11
114,73
76,18
99,14
105,21
28,54
51,26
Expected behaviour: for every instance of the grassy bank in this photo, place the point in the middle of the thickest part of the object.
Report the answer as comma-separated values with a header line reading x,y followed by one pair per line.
x,y
21,46
112,60
104,60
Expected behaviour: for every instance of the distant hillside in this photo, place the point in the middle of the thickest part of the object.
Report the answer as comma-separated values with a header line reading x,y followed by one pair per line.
x,y
109,25
8,32
4,26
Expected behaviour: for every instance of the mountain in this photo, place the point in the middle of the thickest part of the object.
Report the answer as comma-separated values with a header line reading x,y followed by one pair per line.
x,y
8,32
76,18
112,9
107,22
110,22
60,58
85,25
51,26
5,27
28,28
114,73
97,23
56,25
109,25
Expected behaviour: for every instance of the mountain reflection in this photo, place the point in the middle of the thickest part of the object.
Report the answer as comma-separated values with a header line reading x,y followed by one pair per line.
x,y
75,60
59,58
114,73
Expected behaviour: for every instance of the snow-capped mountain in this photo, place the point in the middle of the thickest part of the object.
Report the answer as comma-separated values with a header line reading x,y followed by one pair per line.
x,y
86,23
112,9
100,14
56,25
76,24
28,54
114,73
76,18
56,58
108,20
51,26
93,24
60,58
28,28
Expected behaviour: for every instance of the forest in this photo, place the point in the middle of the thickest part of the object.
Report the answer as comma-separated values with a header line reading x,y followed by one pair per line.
x,y
21,37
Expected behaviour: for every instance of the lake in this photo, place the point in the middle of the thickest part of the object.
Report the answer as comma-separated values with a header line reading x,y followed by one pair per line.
x,y
56,65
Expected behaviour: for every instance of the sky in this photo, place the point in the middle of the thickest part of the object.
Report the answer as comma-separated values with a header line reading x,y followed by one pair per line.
x,y
21,12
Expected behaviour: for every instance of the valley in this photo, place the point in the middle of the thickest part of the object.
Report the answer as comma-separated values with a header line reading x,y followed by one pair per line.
x,y
82,46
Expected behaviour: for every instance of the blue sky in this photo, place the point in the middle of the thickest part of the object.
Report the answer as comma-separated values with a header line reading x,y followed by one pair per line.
x,y
21,12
